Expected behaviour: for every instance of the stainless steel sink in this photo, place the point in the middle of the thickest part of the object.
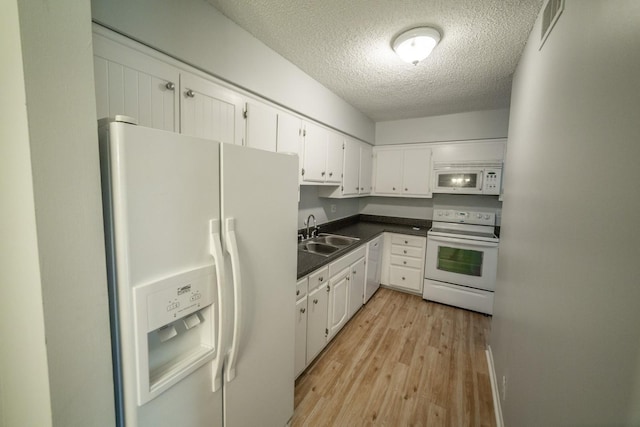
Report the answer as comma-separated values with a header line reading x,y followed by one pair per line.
x,y
326,244
335,240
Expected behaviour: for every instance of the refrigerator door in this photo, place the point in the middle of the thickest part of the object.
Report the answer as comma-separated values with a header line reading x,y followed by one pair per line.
x,y
161,195
259,211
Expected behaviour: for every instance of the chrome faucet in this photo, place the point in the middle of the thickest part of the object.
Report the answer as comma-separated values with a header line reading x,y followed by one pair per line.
x,y
308,223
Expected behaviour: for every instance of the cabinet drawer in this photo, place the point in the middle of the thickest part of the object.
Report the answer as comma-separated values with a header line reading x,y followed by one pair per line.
x,y
404,261
318,278
408,278
301,288
415,241
407,251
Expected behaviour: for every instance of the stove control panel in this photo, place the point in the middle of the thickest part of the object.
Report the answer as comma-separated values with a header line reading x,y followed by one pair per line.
x,y
464,216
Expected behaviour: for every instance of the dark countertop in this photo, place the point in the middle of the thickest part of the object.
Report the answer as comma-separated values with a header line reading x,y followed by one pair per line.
x,y
364,227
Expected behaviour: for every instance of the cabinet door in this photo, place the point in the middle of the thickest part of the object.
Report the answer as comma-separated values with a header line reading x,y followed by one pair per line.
x,y
262,126
301,336
290,137
351,168
374,257
338,301
356,286
131,83
388,172
317,305
208,110
416,171
366,166
315,153
335,144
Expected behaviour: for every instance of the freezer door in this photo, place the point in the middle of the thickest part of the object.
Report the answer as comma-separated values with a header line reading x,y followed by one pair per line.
x,y
161,195
259,206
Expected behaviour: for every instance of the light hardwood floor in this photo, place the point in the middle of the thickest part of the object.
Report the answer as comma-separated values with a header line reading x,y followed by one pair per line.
x,y
401,361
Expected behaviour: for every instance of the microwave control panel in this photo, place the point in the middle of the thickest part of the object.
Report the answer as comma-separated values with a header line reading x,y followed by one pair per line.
x,y
491,183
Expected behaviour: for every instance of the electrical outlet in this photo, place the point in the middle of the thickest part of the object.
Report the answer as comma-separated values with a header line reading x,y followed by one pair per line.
x,y
504,387
333,208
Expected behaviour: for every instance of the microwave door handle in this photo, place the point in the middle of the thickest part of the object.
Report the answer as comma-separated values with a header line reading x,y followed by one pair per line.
x,y
481,174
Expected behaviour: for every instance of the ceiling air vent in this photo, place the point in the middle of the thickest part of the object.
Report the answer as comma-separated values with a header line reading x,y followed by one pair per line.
x,y
550,15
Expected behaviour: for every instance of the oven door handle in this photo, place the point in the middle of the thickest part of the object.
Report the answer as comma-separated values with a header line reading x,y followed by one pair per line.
x,y
468,242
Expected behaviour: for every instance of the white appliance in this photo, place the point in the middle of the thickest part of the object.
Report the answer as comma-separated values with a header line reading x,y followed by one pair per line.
x,y
462,259
467,178
201,263
374,253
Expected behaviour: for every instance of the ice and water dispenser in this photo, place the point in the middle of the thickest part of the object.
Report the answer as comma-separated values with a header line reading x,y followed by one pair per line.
x,y
175,329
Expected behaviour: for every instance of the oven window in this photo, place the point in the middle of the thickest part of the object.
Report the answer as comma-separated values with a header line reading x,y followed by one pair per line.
x,y
459,180
461,261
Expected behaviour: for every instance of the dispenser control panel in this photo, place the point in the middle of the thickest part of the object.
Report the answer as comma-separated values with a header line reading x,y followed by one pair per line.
x,y
178,296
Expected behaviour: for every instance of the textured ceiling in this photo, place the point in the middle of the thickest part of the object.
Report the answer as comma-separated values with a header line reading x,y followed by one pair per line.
x,y
346,46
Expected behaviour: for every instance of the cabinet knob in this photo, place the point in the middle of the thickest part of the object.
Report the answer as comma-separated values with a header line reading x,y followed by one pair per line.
x,y
406,242
394,188
406,189
404,262
403,278
320,278
315,301
330,173
404,252
298,292
348,278
361,188
322,173
354,272
170,86
190,93
303,310
356,188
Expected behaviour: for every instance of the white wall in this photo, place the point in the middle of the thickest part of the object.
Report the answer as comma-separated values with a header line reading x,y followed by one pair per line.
x,y
451,127
56,280
566,329
320,207
423,208
195,32
24,380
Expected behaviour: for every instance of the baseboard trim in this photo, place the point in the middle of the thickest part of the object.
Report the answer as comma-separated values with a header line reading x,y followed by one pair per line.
x,y
497,408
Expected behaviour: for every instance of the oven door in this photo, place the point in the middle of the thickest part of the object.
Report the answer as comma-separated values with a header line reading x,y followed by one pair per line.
x,y
462,261
457,181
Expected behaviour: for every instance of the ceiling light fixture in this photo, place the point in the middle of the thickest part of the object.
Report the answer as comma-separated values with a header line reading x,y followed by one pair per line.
x,y
416,44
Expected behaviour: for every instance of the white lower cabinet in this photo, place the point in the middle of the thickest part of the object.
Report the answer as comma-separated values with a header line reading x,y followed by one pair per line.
x,y
325,300
300,360
317,309
338,301
403,262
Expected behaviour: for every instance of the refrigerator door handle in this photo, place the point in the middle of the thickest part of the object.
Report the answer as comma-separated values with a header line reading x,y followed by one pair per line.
x,y
232,249
215,248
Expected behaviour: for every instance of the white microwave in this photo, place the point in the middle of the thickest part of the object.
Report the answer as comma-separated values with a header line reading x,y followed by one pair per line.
x,y
467,178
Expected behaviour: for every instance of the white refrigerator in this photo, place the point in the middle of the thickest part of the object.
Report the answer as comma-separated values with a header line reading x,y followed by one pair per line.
x,y
201,243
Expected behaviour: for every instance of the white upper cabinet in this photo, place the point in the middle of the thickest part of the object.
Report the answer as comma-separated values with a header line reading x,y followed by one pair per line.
x,y
208,110
416,172
131,83
335,146
322,155
402,171
315,153
351,168
388,172
366,168
261,126
289,139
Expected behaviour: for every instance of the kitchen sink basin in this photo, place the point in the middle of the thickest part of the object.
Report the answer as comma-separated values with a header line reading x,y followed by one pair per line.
x,y
318,248
326,244
334,240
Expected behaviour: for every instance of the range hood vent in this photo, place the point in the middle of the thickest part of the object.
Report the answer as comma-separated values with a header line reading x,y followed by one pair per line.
x,y
550,15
